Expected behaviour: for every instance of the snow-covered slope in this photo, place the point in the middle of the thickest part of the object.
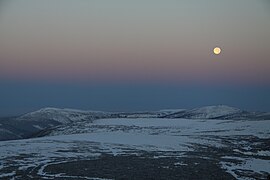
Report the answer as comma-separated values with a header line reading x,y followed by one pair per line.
x,y
63,116
215,111
210,112
32,124
46,120
220,140
207,112
220,112
195,147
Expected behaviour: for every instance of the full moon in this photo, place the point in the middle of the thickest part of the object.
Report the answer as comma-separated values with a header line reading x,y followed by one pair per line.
x,y
217,50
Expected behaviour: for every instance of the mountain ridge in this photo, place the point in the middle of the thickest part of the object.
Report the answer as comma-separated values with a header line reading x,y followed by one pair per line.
x,y
38,123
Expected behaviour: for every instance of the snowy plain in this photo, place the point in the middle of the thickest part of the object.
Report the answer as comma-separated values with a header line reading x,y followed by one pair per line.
x,y
166,137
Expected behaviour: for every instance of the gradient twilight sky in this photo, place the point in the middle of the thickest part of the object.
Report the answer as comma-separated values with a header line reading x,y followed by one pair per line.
x,y
133,55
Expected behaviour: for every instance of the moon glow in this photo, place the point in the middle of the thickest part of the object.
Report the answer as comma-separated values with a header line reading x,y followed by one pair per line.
x,y
217,50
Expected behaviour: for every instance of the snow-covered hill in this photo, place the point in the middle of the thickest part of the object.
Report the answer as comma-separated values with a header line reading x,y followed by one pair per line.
x,y
213,140
31,124
63,116
210,112
120,148
47,120
207,112
219,112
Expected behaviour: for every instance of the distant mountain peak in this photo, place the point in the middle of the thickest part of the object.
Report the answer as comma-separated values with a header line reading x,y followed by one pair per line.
x,y
62,116
207,112
218,108
214,111
45,109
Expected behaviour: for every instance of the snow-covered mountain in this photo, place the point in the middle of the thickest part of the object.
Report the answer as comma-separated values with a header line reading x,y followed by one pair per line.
x,y
157,148
63,116
46,120
55,143
30,124
219,112
207,112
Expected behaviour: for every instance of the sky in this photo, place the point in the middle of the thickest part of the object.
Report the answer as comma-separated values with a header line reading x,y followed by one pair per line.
x,y
133,55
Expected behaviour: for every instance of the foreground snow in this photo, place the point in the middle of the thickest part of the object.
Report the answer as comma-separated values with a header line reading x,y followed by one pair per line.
x,y
242,140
